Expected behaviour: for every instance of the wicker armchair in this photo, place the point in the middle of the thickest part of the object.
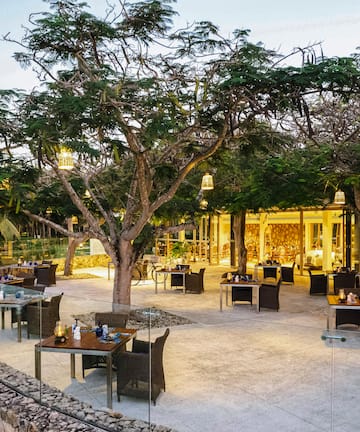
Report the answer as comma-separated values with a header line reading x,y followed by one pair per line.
x,y
269,295
287,274
46,274
49,315
348,316
177,280
318,283
133,369
344,280
113,319
270,272
194,282
243,293
28,284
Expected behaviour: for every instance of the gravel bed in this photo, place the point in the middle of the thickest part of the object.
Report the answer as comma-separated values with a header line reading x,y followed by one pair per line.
x,y
20,409
143,318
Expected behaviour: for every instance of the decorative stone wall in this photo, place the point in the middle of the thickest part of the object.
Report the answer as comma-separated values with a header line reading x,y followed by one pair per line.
x,y
84,261
21,410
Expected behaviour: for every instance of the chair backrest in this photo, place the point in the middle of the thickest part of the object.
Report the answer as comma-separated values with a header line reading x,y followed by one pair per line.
x,y
270,272
157,350
29,281
344,280
113,319
318,283
287,273
52,274
42,274
269,295
55,306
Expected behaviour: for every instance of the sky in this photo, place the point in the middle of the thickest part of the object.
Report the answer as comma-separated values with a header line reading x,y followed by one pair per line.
x,y
281,25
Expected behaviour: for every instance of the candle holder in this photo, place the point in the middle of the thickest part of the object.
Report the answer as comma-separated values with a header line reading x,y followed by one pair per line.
x,y
59,333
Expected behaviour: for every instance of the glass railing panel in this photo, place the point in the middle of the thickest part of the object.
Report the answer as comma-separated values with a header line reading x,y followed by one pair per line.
x,y
47,358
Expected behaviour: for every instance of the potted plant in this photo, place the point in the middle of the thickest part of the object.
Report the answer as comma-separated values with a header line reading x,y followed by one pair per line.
x,y
179,251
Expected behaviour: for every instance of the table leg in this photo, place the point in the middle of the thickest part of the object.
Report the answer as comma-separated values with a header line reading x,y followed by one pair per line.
x,y
37,363
331,321
156,281
256,289
184,288
18,317
72,365
109,380
2,318
221,292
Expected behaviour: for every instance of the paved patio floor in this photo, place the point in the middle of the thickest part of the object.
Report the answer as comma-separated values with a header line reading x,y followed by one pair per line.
x,y
236,370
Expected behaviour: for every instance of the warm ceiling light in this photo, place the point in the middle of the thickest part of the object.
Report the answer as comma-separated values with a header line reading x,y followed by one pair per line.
x,y
339,197
207,182
66,161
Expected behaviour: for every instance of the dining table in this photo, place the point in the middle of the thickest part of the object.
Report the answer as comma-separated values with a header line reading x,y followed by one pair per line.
x,y
88,344
254,285
17,297
170,271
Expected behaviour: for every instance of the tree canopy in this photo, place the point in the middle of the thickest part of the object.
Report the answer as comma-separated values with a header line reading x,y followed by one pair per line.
x,y
141,105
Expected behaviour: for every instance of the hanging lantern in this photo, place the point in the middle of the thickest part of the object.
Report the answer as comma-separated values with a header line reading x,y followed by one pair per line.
x,y
339,197
66,161
207,182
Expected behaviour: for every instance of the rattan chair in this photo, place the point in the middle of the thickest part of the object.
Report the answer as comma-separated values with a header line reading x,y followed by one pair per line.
x,y
348,316
344,280
177,280
270,272
243,293
318,283
49,315
113,319
269,295
46,274
194,282
287,274
133,369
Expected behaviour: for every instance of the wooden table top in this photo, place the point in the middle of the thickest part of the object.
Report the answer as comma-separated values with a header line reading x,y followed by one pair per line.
x,y
89,341
242,282
334,300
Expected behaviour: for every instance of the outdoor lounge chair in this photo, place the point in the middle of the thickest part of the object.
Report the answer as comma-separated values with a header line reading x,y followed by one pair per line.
x,y
133,377
269,295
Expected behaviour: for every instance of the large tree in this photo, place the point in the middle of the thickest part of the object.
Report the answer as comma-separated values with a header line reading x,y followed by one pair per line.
x,y
139,106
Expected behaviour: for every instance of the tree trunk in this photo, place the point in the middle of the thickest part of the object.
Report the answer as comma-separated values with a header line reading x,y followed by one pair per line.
x,y
123,267
356,252
239,238
70,253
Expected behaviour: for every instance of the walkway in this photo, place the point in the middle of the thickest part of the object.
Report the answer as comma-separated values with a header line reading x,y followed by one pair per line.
x,y
232,371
